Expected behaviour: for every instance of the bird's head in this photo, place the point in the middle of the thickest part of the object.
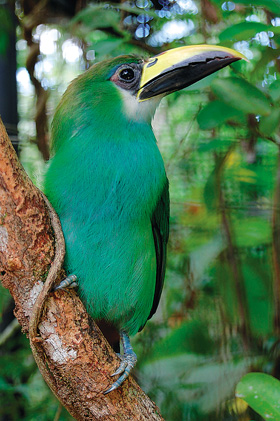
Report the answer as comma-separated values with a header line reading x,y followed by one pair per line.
x,y
131,87
142,83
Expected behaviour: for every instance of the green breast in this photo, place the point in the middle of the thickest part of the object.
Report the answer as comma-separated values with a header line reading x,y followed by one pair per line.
x,y
105,204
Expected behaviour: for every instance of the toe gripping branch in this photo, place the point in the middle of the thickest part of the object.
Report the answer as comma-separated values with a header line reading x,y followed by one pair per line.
x,y
69,282
128,361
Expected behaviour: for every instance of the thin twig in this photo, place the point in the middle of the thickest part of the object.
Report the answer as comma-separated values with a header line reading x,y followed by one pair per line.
x,y
9,331
58,413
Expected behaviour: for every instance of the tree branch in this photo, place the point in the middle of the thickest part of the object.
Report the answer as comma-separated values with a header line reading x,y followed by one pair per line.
x,y
71,352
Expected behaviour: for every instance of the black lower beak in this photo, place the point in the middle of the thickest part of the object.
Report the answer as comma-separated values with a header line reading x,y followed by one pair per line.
x,y
183,72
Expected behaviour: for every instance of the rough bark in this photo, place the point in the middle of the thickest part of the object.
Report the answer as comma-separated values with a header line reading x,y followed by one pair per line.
x,y
71,352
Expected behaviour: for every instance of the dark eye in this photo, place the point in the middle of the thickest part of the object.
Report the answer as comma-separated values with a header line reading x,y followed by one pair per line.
x,y
127,74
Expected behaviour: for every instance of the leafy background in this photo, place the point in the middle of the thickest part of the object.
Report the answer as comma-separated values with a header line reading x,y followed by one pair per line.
x,y
219,316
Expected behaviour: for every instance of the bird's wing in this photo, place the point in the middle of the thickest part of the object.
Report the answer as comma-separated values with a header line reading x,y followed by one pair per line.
x,y
160,226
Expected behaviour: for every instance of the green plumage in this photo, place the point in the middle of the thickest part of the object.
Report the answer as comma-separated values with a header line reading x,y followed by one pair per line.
x,y
106,180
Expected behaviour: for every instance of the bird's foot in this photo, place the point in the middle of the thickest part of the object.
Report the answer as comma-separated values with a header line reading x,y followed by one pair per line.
x,y
69,282
128,361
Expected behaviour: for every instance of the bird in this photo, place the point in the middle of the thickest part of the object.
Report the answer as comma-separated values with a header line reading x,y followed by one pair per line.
x,y
107,182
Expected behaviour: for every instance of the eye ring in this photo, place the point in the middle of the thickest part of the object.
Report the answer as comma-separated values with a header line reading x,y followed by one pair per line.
x,y
127,74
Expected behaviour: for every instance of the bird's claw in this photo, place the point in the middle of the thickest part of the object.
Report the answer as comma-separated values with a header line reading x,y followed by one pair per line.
x,y
125,367
121,368
69,282
128,361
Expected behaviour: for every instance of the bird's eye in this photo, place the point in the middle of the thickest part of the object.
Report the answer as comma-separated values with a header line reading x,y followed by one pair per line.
x,y
127,74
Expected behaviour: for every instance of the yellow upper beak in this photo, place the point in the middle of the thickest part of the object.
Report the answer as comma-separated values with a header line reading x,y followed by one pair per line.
x,y
180,67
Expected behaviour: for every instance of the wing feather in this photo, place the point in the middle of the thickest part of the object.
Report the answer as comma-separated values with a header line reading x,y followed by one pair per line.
x,y
160,227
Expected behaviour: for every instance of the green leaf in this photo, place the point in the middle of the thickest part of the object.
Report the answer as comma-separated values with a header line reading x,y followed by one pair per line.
x,y
257,230
242,95
189,337
98,17
262,393
106,47
268,124
274,90
216,113
271,5
258,288
268,55
242,30
135,10
214,144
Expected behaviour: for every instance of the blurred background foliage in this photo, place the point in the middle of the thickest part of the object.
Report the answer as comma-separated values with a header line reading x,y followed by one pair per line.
x,y
219,316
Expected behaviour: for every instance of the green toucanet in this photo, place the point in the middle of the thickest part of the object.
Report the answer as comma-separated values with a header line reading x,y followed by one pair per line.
x,y
107,182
